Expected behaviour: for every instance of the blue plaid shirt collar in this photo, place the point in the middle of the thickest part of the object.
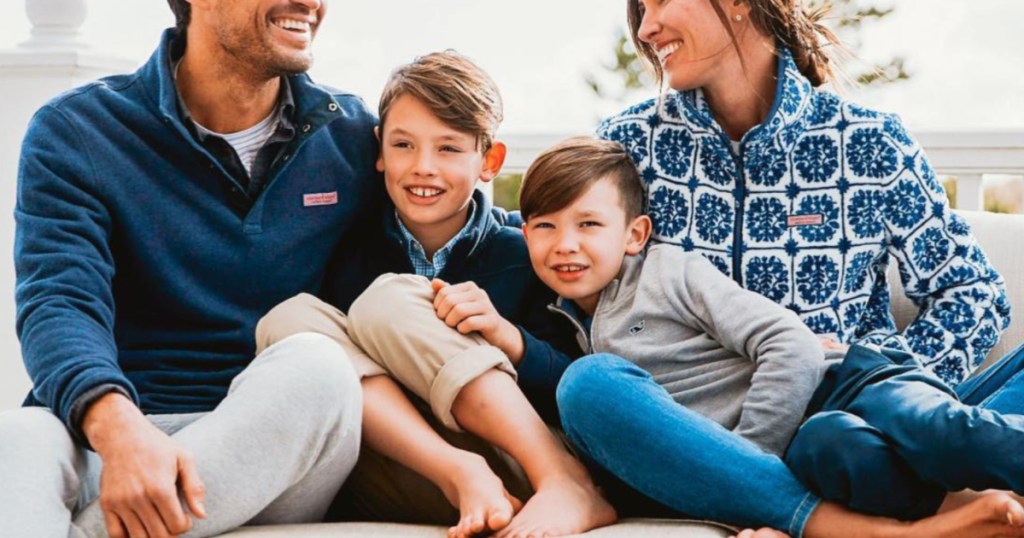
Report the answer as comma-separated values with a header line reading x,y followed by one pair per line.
x,y
414,250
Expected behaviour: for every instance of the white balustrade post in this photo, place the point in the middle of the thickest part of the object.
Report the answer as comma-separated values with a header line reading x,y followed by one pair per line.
x,y
52,60
968,192
55,24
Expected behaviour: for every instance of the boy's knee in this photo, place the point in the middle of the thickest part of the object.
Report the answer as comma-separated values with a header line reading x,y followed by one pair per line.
x,y
585,383
390,297
288,318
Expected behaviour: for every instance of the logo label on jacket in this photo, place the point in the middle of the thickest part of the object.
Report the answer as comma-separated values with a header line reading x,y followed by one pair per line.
x,y
795,221
320,198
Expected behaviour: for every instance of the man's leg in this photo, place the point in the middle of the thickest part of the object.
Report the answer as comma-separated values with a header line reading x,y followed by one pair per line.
x,y
43,475
277,449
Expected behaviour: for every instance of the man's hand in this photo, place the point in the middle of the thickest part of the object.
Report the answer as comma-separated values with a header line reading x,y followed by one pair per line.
x,y
143,470
467,308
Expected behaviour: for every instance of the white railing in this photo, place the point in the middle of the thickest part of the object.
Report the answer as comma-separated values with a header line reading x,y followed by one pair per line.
x,y
973,158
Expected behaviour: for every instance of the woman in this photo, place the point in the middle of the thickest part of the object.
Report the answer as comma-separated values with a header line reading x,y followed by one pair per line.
x,y
803,198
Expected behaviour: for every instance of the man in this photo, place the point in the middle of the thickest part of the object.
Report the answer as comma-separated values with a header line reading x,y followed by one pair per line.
x,y
159,215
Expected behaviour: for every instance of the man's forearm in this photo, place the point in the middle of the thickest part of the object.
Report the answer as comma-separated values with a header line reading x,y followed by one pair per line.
x,y
109,414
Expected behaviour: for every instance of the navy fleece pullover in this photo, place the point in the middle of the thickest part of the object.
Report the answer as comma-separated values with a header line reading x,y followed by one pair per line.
x,y
140,261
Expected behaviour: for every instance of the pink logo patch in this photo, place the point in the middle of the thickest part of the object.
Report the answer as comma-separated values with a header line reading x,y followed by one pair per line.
x,y
805,220
320,198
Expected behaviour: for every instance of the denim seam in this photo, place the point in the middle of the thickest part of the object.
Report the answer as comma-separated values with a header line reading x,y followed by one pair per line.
x,y
802,514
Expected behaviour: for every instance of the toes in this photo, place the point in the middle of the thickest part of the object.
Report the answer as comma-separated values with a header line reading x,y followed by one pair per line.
x,y
517,505
1014,513
475,524
465,528
499,518
510,531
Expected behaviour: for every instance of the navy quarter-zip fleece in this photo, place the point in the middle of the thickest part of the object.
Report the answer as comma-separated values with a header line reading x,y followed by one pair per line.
x,y
136,264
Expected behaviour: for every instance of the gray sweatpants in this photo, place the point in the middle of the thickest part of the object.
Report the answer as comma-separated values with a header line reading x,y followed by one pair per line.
x,y
275,450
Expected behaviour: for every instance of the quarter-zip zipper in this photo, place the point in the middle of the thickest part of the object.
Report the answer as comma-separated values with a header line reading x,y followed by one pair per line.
x,y
741,193
580,329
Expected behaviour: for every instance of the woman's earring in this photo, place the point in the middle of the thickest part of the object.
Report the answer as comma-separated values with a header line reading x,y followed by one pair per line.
x,y
737,17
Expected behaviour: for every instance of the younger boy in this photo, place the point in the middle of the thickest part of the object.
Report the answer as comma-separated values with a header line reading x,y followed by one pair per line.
x,y
438,118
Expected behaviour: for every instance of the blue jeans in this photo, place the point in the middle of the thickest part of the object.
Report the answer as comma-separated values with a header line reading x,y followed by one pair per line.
x,y
889,438
620,419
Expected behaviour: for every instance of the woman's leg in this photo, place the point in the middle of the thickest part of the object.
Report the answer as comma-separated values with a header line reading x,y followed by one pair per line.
x,y
944,441
1002,376
843,459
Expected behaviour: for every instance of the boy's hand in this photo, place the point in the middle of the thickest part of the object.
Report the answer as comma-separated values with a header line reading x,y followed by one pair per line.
x,y
467,308
143,470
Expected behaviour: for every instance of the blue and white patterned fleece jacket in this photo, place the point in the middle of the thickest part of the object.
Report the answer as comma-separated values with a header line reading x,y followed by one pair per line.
x,y
809,213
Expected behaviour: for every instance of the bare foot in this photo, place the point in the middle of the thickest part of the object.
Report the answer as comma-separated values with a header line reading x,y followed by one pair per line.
x,y
484,504
764,532
990,515
562,505
956,499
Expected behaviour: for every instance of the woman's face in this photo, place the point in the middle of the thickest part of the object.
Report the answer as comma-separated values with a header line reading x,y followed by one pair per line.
x,y
689,39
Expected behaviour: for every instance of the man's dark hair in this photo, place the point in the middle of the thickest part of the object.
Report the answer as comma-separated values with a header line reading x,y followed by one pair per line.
x,y
182,12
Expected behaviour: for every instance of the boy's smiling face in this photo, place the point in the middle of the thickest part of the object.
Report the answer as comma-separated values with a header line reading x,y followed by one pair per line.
x,y
578,250
431,169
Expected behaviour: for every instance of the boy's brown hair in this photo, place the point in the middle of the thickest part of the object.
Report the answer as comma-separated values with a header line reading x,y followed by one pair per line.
x,y
565,171
455,89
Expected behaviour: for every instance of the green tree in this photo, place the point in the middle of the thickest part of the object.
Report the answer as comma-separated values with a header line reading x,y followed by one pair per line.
x,y
626,73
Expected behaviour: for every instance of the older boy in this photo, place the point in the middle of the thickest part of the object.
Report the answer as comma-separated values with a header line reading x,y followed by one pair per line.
x,y
438,118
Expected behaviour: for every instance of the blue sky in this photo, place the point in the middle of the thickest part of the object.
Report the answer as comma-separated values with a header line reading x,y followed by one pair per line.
x,y
967,57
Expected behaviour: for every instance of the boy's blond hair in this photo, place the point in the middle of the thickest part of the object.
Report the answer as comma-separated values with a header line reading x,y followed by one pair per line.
x,y
563,172
454,88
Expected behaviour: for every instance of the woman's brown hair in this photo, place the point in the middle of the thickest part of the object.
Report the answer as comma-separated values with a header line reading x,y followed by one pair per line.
x,y
798,29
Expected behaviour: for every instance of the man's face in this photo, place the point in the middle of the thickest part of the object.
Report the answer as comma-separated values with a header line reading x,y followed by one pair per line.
x,y
270,35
